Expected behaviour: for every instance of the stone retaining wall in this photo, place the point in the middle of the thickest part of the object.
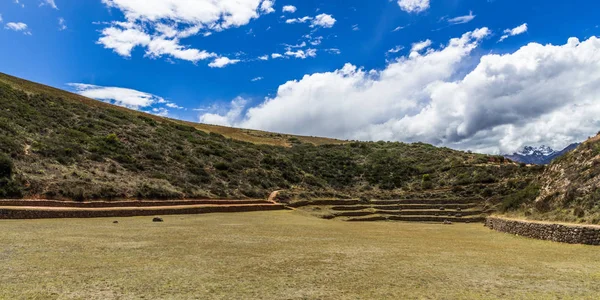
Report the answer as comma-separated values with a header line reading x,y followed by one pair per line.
x,y
125,203
572,234
25,213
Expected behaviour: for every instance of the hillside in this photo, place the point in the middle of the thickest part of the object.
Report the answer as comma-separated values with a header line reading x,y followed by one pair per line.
x,y
570,187
58,145
247,135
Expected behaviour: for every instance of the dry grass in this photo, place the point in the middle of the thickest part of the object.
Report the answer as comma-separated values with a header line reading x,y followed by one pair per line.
x,y
284,255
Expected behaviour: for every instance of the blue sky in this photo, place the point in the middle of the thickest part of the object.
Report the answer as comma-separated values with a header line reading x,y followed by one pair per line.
x,y
215,63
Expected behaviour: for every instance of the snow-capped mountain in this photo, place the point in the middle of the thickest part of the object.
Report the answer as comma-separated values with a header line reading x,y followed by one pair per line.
x,y
542,155
536,151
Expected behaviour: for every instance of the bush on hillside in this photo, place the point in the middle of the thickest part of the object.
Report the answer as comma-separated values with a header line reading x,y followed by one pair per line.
x,y
514,201
6,166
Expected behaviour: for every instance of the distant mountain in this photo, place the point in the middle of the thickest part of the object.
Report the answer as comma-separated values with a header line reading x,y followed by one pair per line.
x,y
542,155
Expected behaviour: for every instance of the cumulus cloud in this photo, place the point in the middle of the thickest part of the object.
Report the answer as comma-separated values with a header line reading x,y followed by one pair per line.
x,y
221,62
506,101
323,20
18,26
276,55
267,6
515,31
159,25
462,19
413,6
289,9
230,117
123,37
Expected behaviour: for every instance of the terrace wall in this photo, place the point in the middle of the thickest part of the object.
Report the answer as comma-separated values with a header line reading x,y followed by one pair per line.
x,y
572,234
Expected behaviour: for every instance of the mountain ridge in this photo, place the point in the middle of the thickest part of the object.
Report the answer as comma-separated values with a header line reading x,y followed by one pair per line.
x,y
542,155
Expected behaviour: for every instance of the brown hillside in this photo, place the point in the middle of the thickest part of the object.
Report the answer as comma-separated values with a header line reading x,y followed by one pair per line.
x,y
570,187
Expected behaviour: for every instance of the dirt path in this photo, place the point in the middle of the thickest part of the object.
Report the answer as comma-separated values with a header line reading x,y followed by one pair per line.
x,y
273,196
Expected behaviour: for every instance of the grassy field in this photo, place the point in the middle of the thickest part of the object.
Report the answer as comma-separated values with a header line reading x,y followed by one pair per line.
x,y
284,255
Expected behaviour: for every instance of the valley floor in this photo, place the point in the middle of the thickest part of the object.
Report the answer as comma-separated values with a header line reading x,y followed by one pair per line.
x,y
284,255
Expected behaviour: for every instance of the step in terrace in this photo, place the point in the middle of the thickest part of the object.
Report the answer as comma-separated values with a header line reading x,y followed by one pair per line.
x,y
412,210
45,209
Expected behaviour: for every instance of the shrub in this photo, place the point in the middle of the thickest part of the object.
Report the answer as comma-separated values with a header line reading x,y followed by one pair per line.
x,y
513,201
6,166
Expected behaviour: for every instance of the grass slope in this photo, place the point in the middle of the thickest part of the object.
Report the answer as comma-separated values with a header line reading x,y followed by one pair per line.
x,y
246,135
284,255
569,188
54,144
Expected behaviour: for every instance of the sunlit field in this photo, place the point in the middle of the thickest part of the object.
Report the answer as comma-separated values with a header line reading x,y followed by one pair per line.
x,y
284,255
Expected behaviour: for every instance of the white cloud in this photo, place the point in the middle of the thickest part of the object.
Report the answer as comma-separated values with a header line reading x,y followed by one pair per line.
x,y
302,45
267,6
1,20
355,27
462,19
504,102
221,62
235,111
335,51
47,2
123,37
276,55
413,6
398,28
221,14
515,31
323,20
159,47
289,9
62,24
256,79
314,41
301,53
173,105
116,95
396,49
264,57
298,20
18,26
417,47
159,111
159,25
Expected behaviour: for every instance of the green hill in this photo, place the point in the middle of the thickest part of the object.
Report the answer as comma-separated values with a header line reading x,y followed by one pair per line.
x,y
55,144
